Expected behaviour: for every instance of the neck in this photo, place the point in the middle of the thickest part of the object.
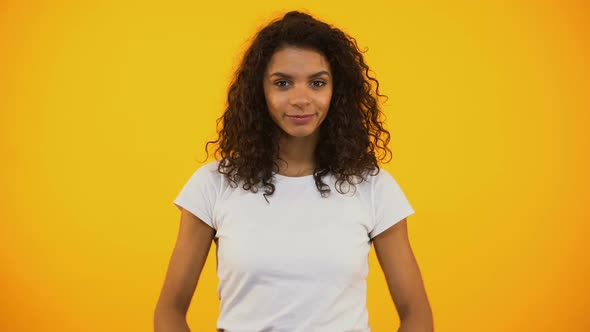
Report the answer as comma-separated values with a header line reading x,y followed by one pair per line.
x,y
297,154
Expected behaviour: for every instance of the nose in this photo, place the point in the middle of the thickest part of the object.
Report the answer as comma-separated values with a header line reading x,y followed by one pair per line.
x,y
299,96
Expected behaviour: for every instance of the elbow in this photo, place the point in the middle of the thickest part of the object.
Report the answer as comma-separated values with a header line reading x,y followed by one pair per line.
x,y
169,319
418,320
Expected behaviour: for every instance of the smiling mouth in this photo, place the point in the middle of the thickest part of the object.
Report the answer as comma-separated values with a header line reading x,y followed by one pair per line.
x,y
300,116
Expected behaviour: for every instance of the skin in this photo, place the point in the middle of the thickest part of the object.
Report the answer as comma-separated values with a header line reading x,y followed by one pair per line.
x,y
404,279
188,258
297,82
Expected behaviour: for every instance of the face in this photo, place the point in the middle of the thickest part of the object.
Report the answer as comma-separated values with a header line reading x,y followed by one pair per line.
x,y
298,89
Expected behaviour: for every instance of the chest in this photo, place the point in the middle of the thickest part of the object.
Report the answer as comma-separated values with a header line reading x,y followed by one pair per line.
x,y
299,235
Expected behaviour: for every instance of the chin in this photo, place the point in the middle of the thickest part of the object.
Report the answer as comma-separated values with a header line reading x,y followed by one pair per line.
x,y
300,133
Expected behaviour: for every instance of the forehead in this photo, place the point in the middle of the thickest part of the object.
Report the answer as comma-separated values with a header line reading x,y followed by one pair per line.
x,y
294,60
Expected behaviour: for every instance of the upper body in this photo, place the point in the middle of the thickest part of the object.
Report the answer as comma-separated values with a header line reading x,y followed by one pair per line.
x,y
297,197
299,263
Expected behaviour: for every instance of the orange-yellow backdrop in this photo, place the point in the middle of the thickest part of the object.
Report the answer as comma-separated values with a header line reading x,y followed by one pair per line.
x,y
105,107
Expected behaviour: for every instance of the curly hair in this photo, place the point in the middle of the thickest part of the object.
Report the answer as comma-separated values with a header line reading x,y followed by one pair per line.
x,y
352,138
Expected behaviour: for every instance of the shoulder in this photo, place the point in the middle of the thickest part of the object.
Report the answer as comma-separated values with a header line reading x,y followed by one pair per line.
x,y
206,175
211,166
385,176
381,185
208,170
375,178
381,177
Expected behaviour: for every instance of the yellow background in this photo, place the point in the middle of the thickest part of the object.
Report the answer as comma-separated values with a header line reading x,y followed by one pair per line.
x,y
105,108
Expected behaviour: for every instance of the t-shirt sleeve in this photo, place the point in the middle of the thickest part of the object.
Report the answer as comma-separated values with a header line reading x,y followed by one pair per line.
x,y
390,204
199,194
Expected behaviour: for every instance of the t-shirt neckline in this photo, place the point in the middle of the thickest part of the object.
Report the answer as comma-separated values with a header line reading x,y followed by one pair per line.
x,y
293,178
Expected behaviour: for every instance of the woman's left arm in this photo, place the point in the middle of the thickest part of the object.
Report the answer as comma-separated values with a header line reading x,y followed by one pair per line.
x,y
403,277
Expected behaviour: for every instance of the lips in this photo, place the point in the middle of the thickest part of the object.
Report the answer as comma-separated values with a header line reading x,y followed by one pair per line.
x,y
300,116
300,119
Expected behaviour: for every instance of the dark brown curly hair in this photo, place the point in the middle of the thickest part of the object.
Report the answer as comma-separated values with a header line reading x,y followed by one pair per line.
x,y
352,137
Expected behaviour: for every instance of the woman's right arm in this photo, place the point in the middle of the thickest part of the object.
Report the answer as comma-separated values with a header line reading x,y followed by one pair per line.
x,y
187,260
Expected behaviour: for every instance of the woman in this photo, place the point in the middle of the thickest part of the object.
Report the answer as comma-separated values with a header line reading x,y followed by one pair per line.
x,y
296,196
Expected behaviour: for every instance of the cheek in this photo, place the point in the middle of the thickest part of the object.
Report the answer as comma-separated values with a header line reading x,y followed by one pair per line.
x,y
274,102
326,101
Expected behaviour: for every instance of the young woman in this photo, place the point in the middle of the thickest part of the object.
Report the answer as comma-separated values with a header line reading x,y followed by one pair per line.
x,y
296,197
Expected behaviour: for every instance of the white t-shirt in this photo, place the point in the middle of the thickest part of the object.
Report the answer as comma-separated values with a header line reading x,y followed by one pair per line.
x,y
300,263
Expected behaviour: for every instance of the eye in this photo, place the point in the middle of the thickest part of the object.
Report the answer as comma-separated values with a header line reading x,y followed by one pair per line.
x,y
281,83
318,83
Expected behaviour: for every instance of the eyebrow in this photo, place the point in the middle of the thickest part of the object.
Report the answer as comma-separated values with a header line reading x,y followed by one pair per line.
x,y
283,75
